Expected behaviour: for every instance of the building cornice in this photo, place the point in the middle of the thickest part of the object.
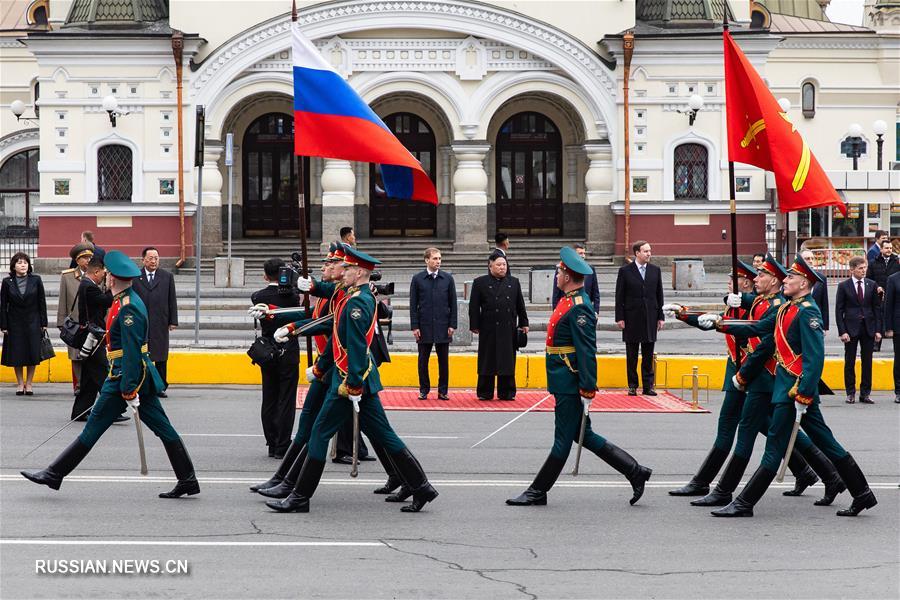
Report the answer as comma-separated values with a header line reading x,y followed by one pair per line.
x,y
644,207
138,209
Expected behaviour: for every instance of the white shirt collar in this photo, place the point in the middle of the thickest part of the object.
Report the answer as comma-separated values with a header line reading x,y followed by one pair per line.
x,y
856,281
431,273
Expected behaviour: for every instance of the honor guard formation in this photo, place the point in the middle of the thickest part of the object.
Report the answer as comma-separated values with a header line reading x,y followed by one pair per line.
x,y
774,344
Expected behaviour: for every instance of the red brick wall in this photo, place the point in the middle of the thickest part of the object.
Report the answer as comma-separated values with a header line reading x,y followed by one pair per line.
x,y
668,239
59,234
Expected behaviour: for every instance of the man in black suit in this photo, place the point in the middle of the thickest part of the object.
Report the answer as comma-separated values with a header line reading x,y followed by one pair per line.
x,y
892,324
156,287
433,318
496,312
639,301
590,283
279,376
883,266
857,312
819,291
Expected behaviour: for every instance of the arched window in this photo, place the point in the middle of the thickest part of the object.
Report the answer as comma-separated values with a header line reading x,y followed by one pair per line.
x,y
390,217
19,189
691,172
114,169
808,99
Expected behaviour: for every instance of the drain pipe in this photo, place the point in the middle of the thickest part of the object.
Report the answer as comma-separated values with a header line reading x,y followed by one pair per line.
x,y
178,53
628,46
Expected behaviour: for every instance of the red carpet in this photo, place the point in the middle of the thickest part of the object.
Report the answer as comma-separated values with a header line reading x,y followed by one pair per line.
x,y
465,399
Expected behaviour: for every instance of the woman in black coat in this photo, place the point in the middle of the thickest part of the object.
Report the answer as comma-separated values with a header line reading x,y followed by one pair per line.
x,y
23,320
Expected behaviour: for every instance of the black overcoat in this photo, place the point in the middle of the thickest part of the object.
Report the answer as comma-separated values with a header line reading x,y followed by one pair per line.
x,y
432,306
162,308
22,316
496,310
639,302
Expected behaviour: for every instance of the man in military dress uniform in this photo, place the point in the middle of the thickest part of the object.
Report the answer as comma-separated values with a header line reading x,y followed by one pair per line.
x,y
733,401
354,386
571,361
69,282
132,381
800,351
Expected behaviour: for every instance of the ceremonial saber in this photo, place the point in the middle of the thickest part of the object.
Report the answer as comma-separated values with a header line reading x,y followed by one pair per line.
x,y
140,437
790,448
354,468
58,431
516,418
584,416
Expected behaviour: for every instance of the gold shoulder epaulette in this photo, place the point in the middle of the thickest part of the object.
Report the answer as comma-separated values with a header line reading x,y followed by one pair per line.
x,y
579,300
805,303
67,271
776,302
125,301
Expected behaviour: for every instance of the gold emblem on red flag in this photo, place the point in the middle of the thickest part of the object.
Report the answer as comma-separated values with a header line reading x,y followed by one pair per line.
x,y
802,170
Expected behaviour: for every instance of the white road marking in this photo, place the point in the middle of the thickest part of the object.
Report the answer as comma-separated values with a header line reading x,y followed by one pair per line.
x,y
259,435
40,542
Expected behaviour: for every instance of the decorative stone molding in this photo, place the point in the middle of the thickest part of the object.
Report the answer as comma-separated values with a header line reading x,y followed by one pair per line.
x,y
338,183
17,141
714,173
471,60
598,180
470,179
90,169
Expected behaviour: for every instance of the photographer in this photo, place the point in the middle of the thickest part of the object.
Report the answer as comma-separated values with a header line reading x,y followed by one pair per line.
x,y
280,375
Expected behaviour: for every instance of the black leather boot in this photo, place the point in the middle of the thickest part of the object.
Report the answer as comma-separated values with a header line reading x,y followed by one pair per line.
x,y
290,456
290,479
536,494
742,506
394,480
699,484
728,482
64,464
184,471
414,476
803,475
401,495
307,482
852,475
625,464
827,472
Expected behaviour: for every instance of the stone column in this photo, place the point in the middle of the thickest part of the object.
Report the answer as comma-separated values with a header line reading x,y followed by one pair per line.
x,y
211,201
598,183
470,183
338,188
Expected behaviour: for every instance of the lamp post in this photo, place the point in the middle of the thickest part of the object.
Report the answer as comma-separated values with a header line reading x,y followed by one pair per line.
x,y
879,127
18,109
111,106
855,140
695,104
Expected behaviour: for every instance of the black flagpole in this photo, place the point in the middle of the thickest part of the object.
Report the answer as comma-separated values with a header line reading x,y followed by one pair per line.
x,y
304,257
733,207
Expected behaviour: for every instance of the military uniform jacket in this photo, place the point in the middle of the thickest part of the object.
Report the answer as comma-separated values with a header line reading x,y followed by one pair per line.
x,y
758,368
68,289
126,345
571,353
351,338
733,343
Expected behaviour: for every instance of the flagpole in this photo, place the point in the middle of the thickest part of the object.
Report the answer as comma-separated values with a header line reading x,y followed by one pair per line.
x,y
301,199
731,191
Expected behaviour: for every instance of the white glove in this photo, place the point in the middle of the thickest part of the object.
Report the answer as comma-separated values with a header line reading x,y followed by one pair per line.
x,y
355,400
801,410
586,403
282,334
258,311
310,376
134,404
304,284
733,300
737,384
670,310
708,320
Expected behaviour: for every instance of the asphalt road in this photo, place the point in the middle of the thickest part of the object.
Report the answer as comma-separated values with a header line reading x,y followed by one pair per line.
x,y
587,543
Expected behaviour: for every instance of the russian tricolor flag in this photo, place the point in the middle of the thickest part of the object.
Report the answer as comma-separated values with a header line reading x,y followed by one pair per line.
x,y
332,121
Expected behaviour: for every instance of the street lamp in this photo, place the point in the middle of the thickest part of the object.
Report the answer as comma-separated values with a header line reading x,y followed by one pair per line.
x,y
855,141
111,106
695,103
879,127
785,104
18,109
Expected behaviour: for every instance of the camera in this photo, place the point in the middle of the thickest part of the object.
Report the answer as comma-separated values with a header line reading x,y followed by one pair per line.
x,y
382,289
288,275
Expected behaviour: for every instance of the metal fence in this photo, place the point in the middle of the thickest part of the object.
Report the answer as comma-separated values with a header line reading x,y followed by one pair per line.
x,y
17,238
835,262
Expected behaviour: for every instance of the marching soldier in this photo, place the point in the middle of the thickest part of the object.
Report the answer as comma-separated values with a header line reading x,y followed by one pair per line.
x,y
132,381
799,344
732,402
354,386
571,361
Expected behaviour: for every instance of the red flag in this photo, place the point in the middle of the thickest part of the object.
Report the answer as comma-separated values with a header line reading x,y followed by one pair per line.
x,y
762,135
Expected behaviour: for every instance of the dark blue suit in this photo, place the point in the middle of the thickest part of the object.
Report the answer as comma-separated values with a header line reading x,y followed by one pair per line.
x,y
892,320
432,310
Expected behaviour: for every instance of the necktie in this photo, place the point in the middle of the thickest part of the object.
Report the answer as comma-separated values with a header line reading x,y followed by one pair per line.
x,y
859,291
150,278
643,271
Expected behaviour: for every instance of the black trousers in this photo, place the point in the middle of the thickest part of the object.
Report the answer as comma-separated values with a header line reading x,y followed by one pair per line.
x,y
631,358
93,373
867,346
161,367
279,400
345,442
506,386
443,353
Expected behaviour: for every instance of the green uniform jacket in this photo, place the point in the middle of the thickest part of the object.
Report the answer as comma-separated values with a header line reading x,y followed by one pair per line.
x,y
573,372
128,333
356,318
730,367
758,379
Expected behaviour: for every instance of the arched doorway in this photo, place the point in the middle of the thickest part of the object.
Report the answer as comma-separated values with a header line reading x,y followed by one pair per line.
x,y
529,176
270,178
20,188
391,217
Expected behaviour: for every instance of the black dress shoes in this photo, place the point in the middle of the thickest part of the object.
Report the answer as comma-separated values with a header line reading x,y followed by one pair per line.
x,y
632,391
423,396
343,460
650,393
162,395
866,400
443,397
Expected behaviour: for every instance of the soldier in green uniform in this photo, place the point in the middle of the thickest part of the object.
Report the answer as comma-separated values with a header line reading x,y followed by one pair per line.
x,y
354,386
132,381
799,344
571,361
733,400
